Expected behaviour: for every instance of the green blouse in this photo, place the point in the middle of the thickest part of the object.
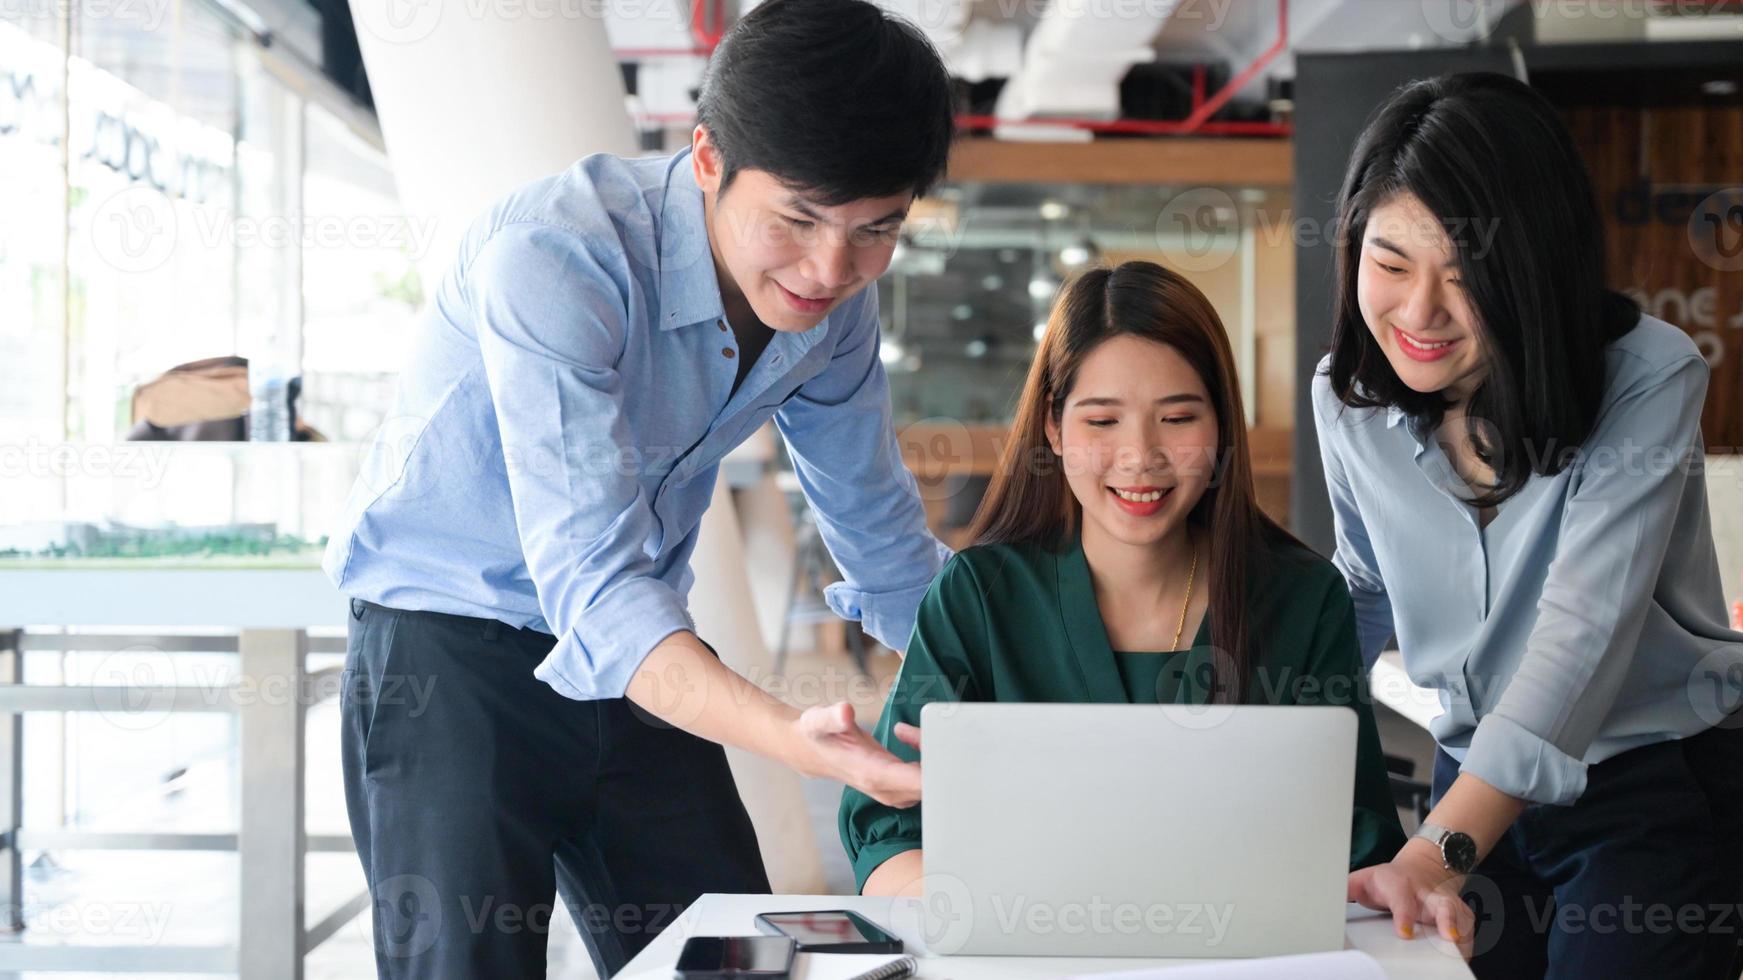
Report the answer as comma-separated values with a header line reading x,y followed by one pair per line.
x,y
1020,623
1152,678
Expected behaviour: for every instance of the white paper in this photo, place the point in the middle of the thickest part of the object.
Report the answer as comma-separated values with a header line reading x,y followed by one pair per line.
x,y
838,966
1348,964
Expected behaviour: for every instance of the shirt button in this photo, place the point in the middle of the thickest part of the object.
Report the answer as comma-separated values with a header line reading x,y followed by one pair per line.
x,y
725,352
721,324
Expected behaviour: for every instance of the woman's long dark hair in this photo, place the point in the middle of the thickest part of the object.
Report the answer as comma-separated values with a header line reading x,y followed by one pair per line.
x,y
1028,500
1487,155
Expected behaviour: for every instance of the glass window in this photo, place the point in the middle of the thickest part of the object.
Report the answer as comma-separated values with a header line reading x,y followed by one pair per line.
x,y
32,197
150,263
361,291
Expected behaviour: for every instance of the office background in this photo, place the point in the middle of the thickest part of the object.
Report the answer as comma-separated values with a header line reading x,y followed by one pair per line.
x,y
188,180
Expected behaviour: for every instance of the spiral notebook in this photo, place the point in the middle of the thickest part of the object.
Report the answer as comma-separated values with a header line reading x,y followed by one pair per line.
x,y
852,966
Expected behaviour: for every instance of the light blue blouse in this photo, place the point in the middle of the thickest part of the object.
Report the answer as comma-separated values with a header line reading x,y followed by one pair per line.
x,y
1587,619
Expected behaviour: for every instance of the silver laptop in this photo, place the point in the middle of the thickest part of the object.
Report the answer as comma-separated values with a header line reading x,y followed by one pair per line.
x,y
1135,830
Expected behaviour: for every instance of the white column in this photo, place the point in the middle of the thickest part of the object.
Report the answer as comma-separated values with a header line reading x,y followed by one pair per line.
x,y
476,99
766,520
723,608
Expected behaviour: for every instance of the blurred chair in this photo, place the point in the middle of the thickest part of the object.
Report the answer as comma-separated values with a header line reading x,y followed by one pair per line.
x,y
813,569
1407,793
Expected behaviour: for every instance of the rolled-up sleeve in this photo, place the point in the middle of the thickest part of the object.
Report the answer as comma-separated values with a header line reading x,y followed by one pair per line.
x,y
1354,554
551,329
838,430
1598,590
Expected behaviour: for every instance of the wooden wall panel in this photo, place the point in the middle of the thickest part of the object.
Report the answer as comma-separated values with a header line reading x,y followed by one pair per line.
x,y
1669,181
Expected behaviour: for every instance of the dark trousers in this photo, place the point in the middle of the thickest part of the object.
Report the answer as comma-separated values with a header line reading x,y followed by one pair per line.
x,y
1641,877
476,794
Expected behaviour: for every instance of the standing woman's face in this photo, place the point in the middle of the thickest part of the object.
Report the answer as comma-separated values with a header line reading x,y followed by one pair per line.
x,y
1407,286
1138,437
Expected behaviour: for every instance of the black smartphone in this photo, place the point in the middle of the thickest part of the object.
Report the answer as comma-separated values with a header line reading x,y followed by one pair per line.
x,y
735,958
830,931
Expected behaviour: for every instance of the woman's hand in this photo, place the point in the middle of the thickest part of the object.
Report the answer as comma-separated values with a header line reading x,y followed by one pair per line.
x,y
1415,886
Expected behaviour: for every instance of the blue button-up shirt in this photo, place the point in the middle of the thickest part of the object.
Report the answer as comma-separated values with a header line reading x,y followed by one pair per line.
x,y
560,423
1587,618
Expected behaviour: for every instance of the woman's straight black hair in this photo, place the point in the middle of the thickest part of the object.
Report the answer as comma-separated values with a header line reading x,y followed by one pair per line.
x,y
834,98
1493,161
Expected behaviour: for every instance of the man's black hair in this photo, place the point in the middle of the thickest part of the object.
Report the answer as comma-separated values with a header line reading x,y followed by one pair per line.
x,y
836,99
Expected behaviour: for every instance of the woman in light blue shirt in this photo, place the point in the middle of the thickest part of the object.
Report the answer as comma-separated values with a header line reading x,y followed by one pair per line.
x,y
1513,455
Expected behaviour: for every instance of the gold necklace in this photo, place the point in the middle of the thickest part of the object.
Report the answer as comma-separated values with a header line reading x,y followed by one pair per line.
x,y
1190,574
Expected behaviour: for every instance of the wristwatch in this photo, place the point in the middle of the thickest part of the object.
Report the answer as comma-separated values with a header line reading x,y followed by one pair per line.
x,y
1457,851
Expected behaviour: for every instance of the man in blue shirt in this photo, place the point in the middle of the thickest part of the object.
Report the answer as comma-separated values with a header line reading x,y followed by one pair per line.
x,y
528,707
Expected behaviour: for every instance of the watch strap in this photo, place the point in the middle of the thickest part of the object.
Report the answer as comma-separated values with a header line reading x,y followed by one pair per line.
x,y
1437,835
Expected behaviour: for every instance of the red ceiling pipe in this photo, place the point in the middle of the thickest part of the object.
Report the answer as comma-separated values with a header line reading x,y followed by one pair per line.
x,y
1202,108
1210,107
708,23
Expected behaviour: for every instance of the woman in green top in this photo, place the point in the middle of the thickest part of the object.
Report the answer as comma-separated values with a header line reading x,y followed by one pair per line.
x,y
1122,520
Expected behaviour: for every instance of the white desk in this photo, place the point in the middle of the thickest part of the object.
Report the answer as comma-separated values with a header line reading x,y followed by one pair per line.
x,y
1423,958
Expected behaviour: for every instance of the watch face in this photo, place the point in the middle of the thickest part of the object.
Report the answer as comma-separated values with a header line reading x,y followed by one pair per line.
x,y
1459,852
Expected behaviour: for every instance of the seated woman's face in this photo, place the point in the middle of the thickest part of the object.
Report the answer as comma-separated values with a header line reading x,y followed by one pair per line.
x,y
1138,437
1409,293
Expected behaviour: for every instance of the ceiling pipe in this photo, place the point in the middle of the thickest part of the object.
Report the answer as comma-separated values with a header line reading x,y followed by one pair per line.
x,y
1198,122
1210,107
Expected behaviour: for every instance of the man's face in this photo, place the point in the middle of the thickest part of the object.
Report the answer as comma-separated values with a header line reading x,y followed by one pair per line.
x,y
791,259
